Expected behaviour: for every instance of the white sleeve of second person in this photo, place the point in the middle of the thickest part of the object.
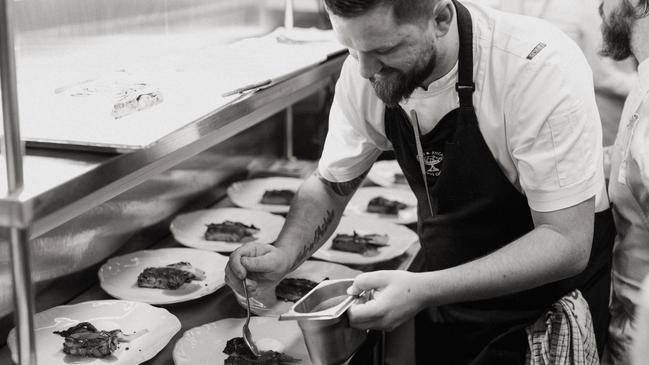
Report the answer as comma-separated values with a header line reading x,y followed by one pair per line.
x,y
639,151
352,143
554,131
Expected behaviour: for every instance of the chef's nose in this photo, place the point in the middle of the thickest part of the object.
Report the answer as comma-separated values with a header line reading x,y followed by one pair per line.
x,y
369,64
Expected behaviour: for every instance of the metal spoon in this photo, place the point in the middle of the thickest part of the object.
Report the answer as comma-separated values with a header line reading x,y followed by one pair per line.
x,y
247,336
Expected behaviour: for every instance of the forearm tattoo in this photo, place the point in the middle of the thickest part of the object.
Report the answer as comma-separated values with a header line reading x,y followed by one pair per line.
x,y
320,231
343,189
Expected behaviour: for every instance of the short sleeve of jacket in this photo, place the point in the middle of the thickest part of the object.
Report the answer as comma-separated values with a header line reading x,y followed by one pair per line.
x,y
354,139
554,130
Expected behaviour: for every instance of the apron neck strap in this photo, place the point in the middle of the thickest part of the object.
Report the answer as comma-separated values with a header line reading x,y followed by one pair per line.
x,y
465,86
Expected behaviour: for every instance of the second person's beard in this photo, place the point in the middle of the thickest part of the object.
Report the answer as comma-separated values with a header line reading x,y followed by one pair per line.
x,y
616,32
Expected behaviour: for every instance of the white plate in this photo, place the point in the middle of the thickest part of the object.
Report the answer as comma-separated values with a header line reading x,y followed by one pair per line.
x,y
310,270
130,317
382,173
189,229
204,344
248,193
358,204
118,276
399,240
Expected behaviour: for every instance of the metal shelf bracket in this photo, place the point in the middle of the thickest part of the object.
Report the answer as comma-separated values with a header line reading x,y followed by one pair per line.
x,y
13,150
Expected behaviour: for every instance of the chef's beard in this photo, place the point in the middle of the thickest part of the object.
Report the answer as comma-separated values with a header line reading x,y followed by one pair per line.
x,y
392,85
616,31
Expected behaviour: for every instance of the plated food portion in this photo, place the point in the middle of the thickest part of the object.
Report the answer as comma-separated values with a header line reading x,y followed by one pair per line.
x,y
272,194
163,276
385,206
85,340
387,173
365,244
225,229
393,205
239,354
98,332
217,342
297,284
363,240
171,276
278,197
230,231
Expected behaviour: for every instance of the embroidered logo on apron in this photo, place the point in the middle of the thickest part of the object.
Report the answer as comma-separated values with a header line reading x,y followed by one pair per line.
x,y
431,160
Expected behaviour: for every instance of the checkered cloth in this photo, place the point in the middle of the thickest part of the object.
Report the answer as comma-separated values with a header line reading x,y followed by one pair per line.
x,y
564,335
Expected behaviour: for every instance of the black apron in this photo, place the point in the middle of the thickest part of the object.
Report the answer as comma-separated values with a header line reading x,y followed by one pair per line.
x,y
475,211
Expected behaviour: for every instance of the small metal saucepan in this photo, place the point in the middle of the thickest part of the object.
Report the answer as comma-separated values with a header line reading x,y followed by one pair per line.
x,y
324,323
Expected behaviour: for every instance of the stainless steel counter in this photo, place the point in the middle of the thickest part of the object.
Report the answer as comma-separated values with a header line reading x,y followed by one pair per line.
x,y
82,183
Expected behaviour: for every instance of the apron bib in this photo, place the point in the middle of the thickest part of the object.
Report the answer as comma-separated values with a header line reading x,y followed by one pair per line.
x,y
467,209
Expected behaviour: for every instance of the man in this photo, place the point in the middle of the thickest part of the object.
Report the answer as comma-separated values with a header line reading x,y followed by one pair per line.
x,y
506,225
625,29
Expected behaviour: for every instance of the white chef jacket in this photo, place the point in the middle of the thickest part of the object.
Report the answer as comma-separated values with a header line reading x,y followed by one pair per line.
x,y
581,21
629,191
534,101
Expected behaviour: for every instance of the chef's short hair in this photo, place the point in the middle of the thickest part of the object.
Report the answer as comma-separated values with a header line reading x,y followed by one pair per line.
x,y
404,10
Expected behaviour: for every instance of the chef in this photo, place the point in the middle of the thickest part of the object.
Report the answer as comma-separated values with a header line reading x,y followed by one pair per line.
x,y
626,33
492,119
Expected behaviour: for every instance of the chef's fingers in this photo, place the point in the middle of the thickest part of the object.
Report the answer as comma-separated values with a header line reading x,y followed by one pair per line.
x,y
237,266
261,264
366,315
251,285
237,284
368,281
232,279
234,265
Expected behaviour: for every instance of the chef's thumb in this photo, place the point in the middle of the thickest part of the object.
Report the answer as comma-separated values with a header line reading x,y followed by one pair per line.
x,y
367,281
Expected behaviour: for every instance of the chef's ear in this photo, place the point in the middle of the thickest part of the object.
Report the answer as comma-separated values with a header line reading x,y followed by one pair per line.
x,y
442,17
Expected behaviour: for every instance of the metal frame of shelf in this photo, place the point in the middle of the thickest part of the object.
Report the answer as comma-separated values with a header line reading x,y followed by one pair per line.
x,y
26,216
48,209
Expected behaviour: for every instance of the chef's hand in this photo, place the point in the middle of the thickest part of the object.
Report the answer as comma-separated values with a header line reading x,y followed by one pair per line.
x,y
262,265
398,296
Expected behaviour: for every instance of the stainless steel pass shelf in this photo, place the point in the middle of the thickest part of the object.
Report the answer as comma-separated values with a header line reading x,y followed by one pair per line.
x,y
61,186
